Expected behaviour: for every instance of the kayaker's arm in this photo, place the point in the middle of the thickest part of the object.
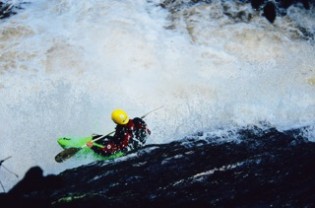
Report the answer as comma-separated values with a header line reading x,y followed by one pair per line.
x,y
110,146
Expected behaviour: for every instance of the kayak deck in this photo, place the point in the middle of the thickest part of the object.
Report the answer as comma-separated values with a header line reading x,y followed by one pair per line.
x,y
77,142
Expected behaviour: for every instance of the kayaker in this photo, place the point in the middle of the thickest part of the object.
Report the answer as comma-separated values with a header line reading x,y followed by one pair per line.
x,y
129,134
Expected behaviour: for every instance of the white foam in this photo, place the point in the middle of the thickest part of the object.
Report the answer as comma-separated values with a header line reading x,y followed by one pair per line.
x,y
64,65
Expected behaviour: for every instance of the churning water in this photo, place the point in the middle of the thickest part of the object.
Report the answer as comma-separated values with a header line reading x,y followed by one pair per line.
x,y
65,65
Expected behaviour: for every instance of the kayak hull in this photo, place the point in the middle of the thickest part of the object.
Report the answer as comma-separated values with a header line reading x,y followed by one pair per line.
x,y
68,142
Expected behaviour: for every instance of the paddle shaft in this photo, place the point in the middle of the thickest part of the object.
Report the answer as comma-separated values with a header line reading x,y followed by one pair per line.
x,y
99,138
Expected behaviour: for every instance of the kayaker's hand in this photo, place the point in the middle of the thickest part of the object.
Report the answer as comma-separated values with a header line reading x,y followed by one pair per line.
x,y
89,144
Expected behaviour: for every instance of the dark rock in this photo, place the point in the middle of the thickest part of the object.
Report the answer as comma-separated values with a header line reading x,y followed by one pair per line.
x,y
8,201
8,8
270,12
306,4
257,3
34,180
260,167
5,10
32,190
286,3
270,9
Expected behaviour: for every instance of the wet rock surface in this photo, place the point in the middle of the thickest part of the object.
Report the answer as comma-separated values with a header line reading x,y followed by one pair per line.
x,y
257,168
8,9
268,9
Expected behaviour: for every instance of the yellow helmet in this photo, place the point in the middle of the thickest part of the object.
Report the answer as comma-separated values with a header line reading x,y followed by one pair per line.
x,y
120,117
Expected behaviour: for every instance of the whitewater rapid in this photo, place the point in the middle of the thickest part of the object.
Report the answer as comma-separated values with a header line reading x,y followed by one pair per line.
x,y
64,65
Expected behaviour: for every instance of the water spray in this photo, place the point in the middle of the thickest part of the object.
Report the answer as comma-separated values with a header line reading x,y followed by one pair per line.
x,y
1,165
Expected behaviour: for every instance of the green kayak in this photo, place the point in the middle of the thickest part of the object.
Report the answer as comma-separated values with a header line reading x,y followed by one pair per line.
x,y
69,142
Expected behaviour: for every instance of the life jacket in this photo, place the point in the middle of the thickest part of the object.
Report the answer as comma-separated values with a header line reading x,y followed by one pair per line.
x,y
127,137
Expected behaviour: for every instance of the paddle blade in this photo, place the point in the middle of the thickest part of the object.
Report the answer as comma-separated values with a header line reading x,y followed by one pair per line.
x,y
66,154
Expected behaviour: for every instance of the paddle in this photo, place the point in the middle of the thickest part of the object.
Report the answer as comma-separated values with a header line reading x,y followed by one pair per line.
x,y
1,165
68,153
